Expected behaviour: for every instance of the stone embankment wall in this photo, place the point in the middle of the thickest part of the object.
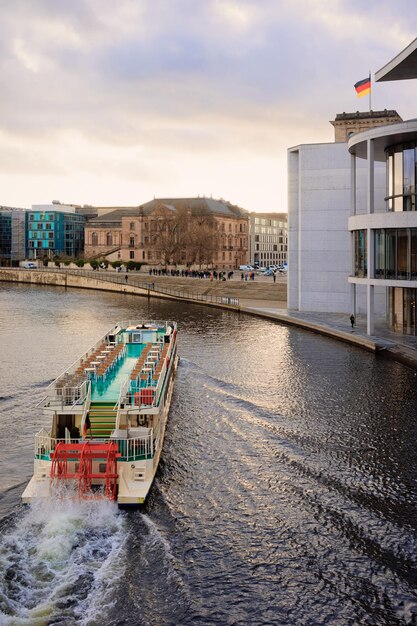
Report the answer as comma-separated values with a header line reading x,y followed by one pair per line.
x,y
259,290
64,279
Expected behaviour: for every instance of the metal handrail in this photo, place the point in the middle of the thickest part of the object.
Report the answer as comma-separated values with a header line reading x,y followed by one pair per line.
x,y
86,407
117,279
130,449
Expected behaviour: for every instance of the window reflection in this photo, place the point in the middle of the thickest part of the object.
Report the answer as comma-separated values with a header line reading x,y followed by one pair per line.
x,y
402,310
360,244
380,253
395,253
390,252
401,177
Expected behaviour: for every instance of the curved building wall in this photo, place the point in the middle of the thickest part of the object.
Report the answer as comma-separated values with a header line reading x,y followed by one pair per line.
x,y
384,239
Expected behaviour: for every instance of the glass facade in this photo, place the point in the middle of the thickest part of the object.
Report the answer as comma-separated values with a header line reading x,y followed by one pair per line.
x,y
394,249
402,310
12,236
401,177
396,253
5,236
360,252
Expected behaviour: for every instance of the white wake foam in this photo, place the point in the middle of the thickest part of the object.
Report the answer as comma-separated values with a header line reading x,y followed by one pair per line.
x,y
61,560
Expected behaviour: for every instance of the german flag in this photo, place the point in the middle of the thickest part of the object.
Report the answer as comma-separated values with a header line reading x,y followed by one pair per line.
x,y
363,87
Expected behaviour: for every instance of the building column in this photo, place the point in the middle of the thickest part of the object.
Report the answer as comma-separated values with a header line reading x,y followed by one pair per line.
x,y
370,174
370,325
352,298
352,290
370,295
370,261
353,184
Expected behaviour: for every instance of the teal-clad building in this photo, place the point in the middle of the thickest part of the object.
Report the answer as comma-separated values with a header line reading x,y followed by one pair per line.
x,y
54,232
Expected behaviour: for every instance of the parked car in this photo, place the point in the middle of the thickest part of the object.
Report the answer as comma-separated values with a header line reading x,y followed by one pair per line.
x,y
29,265
246,268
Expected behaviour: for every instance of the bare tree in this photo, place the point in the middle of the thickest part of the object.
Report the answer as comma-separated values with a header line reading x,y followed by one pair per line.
x,y
203,239
179,236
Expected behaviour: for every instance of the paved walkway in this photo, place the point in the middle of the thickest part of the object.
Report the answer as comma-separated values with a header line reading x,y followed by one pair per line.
x,y
402,348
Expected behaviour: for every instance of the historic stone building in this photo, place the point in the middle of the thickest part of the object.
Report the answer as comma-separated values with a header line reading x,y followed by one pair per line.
x,y
103,233
181,231
346,124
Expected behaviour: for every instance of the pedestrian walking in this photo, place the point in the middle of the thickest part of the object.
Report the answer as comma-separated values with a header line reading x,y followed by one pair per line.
x,y
352,320
126,277
273,276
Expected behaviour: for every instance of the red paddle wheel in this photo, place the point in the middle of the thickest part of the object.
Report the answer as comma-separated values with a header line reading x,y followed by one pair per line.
x,y
111,472
95,464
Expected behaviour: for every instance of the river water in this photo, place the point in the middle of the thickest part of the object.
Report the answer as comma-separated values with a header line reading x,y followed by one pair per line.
x,y
286,494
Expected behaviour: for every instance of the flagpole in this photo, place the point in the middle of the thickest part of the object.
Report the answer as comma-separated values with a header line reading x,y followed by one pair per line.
x,y
370,91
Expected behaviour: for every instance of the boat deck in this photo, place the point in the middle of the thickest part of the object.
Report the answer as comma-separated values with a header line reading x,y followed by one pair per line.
x,y
107,390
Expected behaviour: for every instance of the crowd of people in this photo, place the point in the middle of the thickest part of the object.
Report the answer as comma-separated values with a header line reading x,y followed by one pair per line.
x,y
211,274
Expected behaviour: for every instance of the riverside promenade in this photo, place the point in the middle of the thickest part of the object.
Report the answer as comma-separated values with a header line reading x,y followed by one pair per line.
x,y
262,297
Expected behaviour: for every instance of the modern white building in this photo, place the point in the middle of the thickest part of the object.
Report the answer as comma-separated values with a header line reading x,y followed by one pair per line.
x,y
319,207
353,217
385,235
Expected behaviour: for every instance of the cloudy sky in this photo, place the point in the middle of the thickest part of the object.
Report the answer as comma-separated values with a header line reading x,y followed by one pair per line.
x,y
113,102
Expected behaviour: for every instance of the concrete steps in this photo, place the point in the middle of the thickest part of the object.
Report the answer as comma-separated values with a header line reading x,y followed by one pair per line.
x,y
259,289
102,418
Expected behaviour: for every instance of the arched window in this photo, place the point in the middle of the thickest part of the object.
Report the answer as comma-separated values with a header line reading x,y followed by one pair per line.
x,y
132,225
109,239
94,239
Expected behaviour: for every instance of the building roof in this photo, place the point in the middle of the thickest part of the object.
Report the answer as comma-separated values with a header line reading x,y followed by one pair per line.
x,y
113,218
365,115
197,206
401,67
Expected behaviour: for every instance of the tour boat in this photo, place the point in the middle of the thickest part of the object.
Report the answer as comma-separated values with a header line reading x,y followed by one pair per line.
x,y
107,415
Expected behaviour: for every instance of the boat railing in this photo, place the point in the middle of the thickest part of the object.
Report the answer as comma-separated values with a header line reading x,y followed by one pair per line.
x,y
121,400
65,396
157,439
129,449
86,407
160,386
122,394
44,444
137,448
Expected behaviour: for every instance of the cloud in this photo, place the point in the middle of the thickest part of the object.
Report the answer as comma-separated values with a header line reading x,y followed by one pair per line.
x,y
199,88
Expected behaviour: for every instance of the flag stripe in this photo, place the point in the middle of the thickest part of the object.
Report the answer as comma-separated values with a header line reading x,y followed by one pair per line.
x,y
365,81
363,87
